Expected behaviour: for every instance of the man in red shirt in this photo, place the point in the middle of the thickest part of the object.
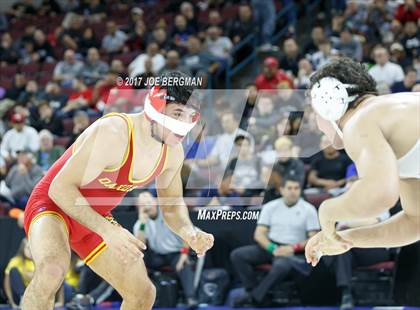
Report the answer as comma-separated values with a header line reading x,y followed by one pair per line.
x,y
70,207
271,75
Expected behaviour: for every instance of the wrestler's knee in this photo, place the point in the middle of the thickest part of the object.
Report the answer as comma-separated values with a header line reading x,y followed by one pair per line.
x,y
142,294
50,273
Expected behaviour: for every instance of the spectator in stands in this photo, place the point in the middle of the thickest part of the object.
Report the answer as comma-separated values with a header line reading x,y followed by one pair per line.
x,y
286,166
173,63
290,59
80,98
94,68
217,45
18,86
187,10
411,39
265,16
20,137
22,9
151,228
197,60
118,67
220,154
263,119
160,36
280,241
355,16
407,84
87,41
94,9
243,173
42,48
408,11
8,53
73,31
348,45
80,123
317,36
18,273
54,95
113,42
328,169
305,70
344,264
136,14
398,55
242,25
48,152
324,54
137,37
271,75
68,69
379,22
27,53
22,177
43,116
30,94
384,71
137,66
181,31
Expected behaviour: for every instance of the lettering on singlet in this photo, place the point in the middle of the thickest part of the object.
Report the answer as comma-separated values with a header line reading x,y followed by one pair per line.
x,y
119,187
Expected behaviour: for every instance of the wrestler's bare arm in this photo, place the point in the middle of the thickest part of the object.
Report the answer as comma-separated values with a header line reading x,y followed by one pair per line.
x,y
93,153
172,205
377,189
170,194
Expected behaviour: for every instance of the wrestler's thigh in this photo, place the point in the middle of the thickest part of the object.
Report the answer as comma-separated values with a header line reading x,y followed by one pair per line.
x,y
49,242
127,279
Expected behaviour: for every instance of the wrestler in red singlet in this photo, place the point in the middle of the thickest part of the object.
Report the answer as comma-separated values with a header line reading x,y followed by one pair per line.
x,y
103,194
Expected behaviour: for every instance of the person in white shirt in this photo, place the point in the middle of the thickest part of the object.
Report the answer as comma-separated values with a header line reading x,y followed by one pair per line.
x,y
20,137
217,45
384,71
137,66
283,228
324,55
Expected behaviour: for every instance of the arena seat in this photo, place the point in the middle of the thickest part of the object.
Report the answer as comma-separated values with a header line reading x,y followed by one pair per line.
x,y
317,198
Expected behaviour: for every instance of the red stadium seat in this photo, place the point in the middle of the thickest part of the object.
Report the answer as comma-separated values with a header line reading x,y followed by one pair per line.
x,y
30,70
126,58
317,198
48,67
68,125
263,267
8,71
62,141
388,265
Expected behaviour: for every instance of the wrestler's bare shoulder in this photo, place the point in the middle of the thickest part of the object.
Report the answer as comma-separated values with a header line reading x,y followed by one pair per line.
x,y
111,131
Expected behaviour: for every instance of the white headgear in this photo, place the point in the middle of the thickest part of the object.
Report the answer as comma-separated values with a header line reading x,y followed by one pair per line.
x,y
154,104
330,99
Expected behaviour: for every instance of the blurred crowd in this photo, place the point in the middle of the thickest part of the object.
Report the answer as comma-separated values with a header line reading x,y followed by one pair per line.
x,y
60,69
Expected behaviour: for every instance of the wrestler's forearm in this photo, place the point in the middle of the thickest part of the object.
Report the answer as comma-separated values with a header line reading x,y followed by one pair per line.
x,y
361,201
178,219
397,231
71,201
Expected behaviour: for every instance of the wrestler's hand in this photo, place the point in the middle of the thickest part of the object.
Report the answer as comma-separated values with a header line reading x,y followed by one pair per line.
x,y
320,245
124,243
200,241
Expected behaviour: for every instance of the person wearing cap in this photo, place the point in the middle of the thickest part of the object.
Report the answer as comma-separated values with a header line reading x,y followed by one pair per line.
x,y
271,75
19,137
70,207
381,136
398,55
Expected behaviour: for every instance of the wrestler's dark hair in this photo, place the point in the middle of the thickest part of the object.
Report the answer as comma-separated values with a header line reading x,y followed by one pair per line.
x,y
180,93
347,71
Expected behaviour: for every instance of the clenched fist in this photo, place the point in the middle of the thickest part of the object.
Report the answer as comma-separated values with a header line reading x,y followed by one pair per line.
x,y
199,241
